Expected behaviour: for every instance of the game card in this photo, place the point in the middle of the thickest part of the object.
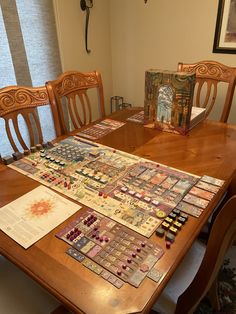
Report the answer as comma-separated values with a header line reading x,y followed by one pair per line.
x,y
189,209
202,193
197,201
207,186
212,180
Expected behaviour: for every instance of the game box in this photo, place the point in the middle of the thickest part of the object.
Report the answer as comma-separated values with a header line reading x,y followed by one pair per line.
x,y
168,100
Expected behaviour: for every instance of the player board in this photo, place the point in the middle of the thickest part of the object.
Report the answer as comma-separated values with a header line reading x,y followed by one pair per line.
x,y
133,191
119,254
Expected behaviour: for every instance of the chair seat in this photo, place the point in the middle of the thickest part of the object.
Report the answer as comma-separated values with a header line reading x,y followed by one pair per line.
x,y
181,279
19,294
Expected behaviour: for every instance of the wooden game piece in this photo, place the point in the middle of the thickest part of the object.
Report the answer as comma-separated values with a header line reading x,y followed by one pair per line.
x,y
26,152
160,232
165,225
173,230
170,237
177,225
172,215
7,160
17,155
38,146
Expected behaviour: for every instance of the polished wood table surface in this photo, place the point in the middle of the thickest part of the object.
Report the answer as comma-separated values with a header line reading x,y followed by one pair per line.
x,y
210,148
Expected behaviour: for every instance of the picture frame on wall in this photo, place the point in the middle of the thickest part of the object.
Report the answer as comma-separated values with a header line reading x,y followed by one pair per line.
x,y
225,31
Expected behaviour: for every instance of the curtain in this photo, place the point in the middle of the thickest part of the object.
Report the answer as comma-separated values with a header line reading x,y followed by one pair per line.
x,y
29,53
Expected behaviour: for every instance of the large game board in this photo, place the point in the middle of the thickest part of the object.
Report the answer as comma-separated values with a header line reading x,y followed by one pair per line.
x,y
133,191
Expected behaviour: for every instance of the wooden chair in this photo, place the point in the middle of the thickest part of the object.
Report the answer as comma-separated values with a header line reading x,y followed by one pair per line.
x,y
23,101
69,92
209,74
198,271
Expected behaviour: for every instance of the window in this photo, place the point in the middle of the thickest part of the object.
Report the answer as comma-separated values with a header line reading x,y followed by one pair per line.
x,y
29,53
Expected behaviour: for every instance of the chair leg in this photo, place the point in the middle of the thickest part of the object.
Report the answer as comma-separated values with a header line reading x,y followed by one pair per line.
x,y
213,296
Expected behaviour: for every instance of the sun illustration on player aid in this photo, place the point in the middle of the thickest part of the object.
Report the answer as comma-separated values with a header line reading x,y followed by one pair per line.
x,y
41,208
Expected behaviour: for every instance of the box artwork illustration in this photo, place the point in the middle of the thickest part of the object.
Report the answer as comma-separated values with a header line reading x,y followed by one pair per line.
x,y
168,100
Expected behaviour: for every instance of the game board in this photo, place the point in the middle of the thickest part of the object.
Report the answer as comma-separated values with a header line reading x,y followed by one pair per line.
x,y
133,191
115,252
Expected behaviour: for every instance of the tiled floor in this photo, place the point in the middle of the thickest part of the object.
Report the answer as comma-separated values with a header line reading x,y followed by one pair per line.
x,y
21,295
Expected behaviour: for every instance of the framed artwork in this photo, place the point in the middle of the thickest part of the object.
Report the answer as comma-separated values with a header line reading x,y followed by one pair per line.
x,y
225,32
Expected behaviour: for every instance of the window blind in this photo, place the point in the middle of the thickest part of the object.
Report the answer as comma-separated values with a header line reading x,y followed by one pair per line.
x,y
29,53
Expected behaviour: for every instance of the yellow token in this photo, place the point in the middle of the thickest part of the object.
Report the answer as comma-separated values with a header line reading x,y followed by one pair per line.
x,y
160,214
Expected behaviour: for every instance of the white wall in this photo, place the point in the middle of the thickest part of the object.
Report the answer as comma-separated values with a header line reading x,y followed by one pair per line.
x,y
128,37
70,25
159,34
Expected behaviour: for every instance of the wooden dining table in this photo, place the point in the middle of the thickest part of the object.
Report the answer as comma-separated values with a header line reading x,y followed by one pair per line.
x,y
208,149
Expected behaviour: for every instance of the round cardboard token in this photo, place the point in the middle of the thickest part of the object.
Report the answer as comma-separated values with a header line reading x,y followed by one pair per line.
x,y
160,214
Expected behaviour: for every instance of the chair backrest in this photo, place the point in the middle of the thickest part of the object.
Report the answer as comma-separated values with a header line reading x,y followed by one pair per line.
x,y
209,74
222,235
23,101
69,93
